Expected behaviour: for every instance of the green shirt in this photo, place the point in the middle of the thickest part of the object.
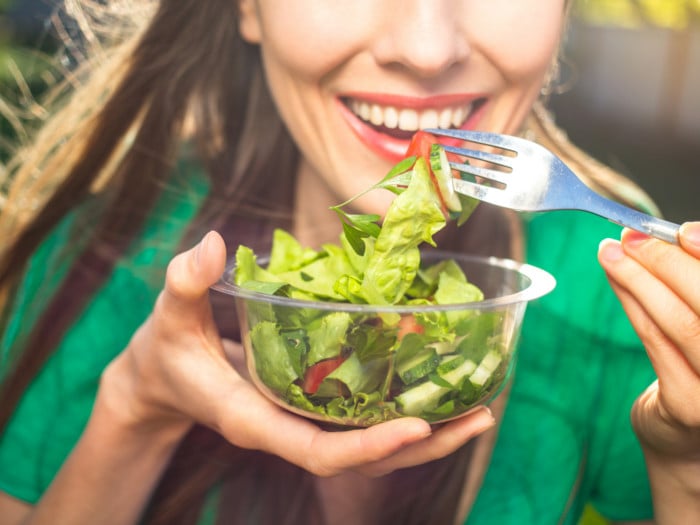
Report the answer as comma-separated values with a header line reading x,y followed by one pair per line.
x,y
565,440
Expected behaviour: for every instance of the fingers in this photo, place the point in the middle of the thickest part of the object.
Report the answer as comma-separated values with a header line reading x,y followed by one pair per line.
x,y
689,237
400,443
188,278
252,421
664,280
656,283
355,448
670,364
324,453
396,444
679,269
191,273
443,441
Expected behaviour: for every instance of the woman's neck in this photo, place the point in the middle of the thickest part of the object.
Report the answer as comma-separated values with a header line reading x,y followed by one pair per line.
x,y
314,222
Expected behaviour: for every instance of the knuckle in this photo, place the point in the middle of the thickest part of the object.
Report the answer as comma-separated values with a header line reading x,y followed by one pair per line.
x,y
315,461
689,326
651,335
176,276
318,467
371,449
679,414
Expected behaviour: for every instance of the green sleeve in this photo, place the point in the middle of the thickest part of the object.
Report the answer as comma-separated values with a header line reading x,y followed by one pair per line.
x,y
618,480
607,367
53,411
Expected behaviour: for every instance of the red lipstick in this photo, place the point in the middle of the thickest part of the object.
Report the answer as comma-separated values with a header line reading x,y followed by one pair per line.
x,y
394,148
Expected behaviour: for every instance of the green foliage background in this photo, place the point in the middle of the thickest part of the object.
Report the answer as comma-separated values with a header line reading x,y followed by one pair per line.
x,y
673,14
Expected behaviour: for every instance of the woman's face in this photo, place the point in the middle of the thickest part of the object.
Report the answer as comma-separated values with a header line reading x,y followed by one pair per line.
x,y
353,79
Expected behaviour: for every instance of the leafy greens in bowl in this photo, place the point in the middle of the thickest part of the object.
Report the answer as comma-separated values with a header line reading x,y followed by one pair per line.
x,y
377,327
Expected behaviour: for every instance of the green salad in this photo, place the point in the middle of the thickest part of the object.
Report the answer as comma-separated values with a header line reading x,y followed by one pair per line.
x,y
363,367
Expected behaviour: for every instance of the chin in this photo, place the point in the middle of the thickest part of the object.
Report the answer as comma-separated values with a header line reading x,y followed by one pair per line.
x,y
376,201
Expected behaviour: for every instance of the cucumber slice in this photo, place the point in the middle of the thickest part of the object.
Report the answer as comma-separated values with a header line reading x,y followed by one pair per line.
x,y
449,363
426,396
445,348
440,166
486,367
418,366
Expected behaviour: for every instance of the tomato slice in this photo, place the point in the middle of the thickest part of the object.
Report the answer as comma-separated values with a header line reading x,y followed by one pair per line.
x,y
317,372
408,325
420,145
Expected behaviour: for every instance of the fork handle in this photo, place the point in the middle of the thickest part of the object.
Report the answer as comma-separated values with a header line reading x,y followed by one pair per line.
x,y
630,218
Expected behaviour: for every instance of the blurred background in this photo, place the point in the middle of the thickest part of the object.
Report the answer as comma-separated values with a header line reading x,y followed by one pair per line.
x,y
628,93
631,76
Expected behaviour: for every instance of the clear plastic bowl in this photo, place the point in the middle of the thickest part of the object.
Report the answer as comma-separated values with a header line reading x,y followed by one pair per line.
x,y
358,365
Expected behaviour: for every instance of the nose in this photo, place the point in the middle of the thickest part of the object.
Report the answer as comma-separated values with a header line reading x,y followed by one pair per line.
x,y
423,36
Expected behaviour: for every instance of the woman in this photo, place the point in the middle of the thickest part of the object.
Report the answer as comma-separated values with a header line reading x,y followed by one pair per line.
x,y
124,399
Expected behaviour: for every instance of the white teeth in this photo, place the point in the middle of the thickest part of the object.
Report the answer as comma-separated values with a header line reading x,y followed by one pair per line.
x,y
410,119
376,115
392,118
429,119
458,117
445,119
364,111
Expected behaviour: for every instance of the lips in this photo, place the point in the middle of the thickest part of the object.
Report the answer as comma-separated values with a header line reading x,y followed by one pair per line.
x,y
386,123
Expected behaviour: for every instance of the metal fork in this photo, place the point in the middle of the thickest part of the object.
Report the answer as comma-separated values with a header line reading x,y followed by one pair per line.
x,y
536,180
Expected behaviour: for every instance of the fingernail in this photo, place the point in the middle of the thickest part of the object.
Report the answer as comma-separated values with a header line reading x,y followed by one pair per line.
x,y
201,248
610,250
633,237
690,231
489,415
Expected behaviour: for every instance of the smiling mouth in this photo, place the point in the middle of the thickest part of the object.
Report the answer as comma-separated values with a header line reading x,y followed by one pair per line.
x,y
402,123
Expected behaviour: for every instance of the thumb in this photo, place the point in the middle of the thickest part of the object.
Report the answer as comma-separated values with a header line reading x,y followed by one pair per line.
x,y
690,238
191,273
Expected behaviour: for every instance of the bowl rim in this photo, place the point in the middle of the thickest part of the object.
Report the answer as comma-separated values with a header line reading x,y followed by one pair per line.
x,y
541,283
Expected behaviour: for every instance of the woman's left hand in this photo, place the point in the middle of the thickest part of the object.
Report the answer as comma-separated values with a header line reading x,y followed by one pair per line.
x,y
659,286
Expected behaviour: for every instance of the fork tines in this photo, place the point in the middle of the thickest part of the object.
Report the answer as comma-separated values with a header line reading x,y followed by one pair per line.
x,y
504,163
479,137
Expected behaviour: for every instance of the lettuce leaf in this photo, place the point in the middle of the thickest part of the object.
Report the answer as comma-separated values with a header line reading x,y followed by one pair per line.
x,y
274,365
413,218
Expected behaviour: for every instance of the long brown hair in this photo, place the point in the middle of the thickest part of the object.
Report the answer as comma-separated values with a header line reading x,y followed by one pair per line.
x,y
181,74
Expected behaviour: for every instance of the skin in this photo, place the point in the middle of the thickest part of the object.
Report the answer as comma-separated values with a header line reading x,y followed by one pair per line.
x,y
177,370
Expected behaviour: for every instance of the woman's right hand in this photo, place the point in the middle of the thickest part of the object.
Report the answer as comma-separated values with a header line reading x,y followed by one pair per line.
x,y
177,371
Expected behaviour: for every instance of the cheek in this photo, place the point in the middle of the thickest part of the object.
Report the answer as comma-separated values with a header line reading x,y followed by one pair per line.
x,y
522,45
308,41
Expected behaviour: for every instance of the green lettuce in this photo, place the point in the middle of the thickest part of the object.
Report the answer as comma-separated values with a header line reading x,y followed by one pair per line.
x,y
373,371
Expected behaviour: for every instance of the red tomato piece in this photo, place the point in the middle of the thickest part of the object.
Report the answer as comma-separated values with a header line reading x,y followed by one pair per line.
x,y
409,325
317,372
420,145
